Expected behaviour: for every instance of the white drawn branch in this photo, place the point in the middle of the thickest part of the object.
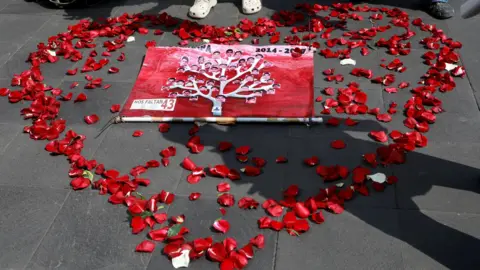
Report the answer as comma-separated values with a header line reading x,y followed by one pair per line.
x,y
209,78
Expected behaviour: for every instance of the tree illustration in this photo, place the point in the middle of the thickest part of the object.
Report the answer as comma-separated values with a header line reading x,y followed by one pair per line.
x,y
209,77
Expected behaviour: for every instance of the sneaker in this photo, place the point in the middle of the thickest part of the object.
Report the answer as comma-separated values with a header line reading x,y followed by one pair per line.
x,y
251,6
441,10
201,8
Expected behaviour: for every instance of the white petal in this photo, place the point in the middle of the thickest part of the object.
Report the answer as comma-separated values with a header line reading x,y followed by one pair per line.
x,y
449,66
348,61
131,39
378,177
339,185
206,40
182,260
52,53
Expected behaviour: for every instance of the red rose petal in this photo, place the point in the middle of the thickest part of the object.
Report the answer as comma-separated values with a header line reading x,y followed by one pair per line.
x,y
4,92
72,72
145,246
338,144
188,164
113,70
121,57
251,171
350,122
137,133
242,150
223,187
194,196
318,218
379,136
311,161
115,108
163,127
91,119
258,241
281,159
80,183
150,43
384,117
221,225
225,146
80,98
233,175
259,162
301,211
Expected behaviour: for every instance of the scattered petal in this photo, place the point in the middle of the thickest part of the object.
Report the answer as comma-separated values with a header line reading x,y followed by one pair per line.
x,y
348,61
379,136
115,108
91,119
281,159
137,133
194,196
145,246
183,260
225,146
113,70
163,127
221,225
377,178
80,98
338,144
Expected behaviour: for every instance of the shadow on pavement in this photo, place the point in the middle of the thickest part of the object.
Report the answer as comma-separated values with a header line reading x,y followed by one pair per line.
x,y
446,245
106,7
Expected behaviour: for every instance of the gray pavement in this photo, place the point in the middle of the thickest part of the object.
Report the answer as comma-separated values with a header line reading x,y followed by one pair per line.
x,y
429,220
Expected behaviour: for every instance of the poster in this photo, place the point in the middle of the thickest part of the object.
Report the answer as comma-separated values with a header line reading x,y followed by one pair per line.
x,y
239,81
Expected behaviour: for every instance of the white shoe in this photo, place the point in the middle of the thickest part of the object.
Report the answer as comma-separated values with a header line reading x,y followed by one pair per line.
x,y
251,6
201,8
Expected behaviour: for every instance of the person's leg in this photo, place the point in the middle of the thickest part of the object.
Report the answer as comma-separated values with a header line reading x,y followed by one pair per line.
x,y
440,9
201,8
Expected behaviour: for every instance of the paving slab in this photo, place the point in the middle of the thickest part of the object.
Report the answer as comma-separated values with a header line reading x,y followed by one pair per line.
x,y
89,233
51,171
128,69
99,102
468,54
45,8
149,7
44,170
24,25
351,157
10,112
344,241
441,180
27,214
7,49
441,177
17,63
200,216
8,132
120,150
265,146
439,240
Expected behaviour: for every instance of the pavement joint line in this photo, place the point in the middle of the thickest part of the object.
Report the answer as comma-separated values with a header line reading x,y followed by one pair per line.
x,y
26,41
2,151
275,250
37,187
48,229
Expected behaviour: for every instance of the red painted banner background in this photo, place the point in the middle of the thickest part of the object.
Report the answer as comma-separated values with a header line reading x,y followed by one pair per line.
x,y
227,81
